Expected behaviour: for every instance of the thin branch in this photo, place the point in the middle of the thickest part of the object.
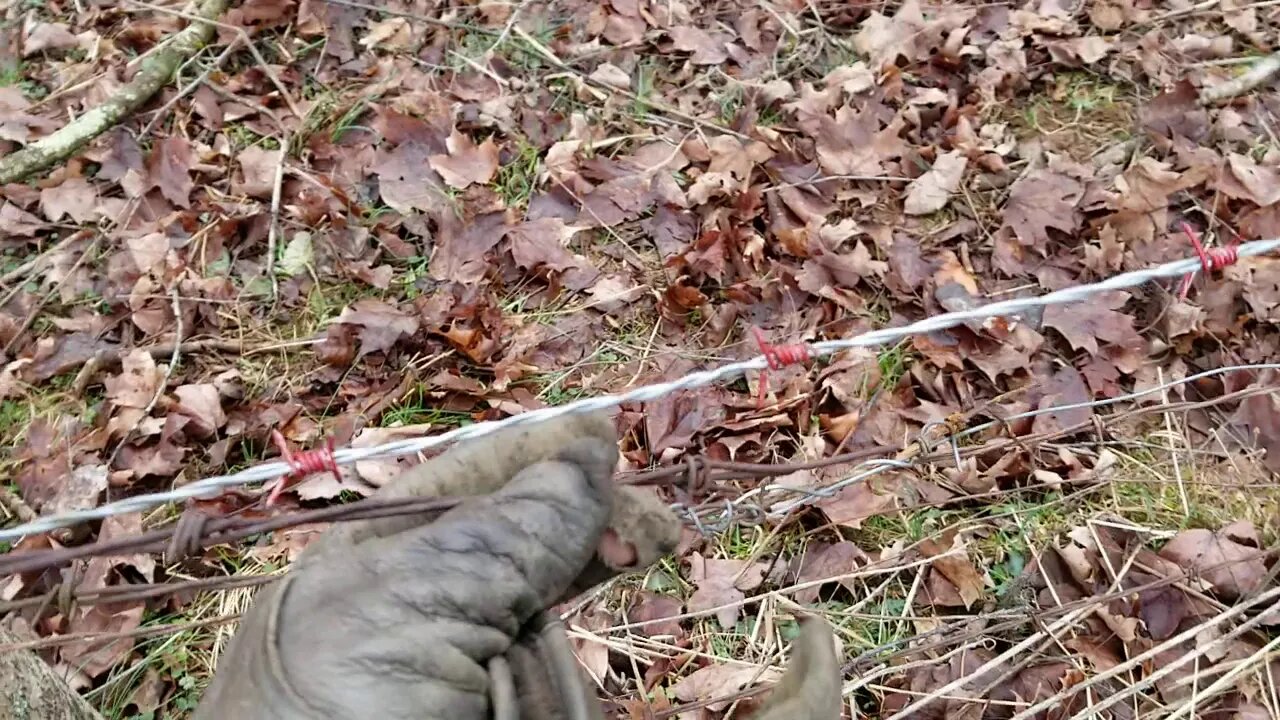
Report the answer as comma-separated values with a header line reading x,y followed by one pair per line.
x,y
1262,72
153,75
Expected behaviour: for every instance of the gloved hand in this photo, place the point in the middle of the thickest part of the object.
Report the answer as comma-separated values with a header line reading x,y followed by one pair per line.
x,y
429,617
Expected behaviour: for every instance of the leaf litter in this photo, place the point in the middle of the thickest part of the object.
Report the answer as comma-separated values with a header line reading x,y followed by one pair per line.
x,y
530,206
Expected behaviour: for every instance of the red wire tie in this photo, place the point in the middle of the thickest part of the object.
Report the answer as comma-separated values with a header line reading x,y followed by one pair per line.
x,y
777,357
1214,258
302,464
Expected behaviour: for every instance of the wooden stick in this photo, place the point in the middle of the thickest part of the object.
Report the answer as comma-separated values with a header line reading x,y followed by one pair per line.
x,y
155,72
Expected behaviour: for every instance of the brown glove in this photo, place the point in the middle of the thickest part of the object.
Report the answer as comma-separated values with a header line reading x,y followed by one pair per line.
x,y
402,620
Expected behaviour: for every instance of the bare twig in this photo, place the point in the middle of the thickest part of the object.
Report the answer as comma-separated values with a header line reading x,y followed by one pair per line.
x,y
190,87
273,229
154,73
1263,71
15,505
248,43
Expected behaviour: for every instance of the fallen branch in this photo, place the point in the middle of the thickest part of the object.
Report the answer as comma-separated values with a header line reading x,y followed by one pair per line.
x,y
155,73
1264,70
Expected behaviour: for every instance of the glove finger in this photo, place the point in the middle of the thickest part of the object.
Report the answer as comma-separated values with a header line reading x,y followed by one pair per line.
x,y
514,551
549,683
472,467
810,688
642,529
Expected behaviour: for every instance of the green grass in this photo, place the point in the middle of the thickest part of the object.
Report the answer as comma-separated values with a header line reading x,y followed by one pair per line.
x,y
518,178
419,408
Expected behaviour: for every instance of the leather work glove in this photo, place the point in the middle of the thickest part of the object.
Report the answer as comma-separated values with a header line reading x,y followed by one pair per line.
x,y
442,615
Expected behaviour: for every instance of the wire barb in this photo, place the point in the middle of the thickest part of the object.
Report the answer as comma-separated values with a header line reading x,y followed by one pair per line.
x,y
302,464
777,357
1214,258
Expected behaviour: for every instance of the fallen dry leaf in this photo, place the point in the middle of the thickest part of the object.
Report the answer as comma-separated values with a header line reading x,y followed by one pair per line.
x,y
466,162
930,192
1232,569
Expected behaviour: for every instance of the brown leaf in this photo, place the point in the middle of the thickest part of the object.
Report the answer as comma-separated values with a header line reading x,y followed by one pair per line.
x,y
956,568
406,181
854,503
1233,569
137,382
461,247
720,583
827,562
1041,200
76,198
162,460
201,403
655,610
466,162
720,680
257,176
15,124
1066,387
1101,320
16,222
169,169
57,355
43,36
80,490
854,144
1176,113
706,48
94,657
540,244
391,34
930,192
1262,182
380,323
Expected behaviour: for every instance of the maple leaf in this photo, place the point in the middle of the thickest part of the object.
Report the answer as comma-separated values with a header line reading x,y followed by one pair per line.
x,y
203,405
461,247
16,222
930,192
257,177
16,124
828,562
706,49
43,36
137,382
466,162
1065,387
406,181
1084,324
169,169
958,569
884,39
852,143
76,197
1234,569
380,323
390,34
1261,183
720,680
540,243
721,584
1040,200
656,612
1176,113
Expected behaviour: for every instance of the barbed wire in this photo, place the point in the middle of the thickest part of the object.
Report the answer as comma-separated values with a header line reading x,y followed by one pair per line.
x,y
272,470
746,508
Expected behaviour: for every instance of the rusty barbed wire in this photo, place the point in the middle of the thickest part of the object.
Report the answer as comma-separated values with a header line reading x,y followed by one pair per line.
x,y
195,530
1014,307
